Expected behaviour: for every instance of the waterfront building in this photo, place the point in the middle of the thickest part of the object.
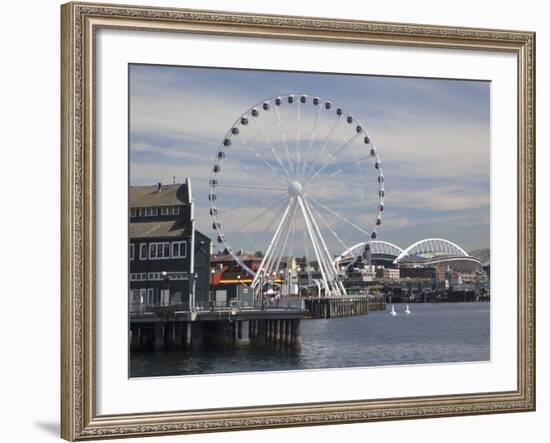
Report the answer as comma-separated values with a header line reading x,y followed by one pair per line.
x,y
226,270
168,258
421,272
391,273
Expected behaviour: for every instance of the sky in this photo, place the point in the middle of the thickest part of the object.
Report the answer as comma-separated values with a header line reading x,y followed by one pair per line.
x,y
432,137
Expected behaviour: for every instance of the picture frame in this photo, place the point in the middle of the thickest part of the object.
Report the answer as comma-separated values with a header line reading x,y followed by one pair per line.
x,y
80,419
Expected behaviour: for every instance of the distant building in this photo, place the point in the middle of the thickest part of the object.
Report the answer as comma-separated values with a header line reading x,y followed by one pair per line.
x,y
169,259
228,270
417,272
391,274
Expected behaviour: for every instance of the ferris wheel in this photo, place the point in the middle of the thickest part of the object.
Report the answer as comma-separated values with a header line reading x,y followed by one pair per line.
x,y
296,175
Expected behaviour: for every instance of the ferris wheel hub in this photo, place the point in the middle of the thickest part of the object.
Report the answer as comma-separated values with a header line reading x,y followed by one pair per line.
x,y
295,189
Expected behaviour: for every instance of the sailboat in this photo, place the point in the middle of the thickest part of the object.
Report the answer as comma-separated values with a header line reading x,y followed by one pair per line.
x,y
393,311
407,310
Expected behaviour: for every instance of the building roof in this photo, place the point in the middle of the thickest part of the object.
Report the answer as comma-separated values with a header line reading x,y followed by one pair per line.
x,y
148,229
150,196
219,258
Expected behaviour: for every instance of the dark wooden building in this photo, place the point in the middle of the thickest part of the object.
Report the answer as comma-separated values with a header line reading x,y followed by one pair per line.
x,y
169,259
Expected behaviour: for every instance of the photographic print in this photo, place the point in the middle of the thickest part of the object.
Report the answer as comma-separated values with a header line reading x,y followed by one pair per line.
x,y
286,220
321,210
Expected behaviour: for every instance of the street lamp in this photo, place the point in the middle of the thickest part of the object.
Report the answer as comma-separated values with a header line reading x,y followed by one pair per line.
x,y
262,288
289,281
211,292
166,287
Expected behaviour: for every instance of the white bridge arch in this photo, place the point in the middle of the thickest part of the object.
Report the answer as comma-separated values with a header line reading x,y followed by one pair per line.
x,y
377,247
432,247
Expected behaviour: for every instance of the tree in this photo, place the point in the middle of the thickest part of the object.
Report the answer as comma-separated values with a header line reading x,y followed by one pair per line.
x,y
259,254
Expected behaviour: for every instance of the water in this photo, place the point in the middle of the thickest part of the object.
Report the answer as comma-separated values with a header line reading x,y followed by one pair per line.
x,y
432,333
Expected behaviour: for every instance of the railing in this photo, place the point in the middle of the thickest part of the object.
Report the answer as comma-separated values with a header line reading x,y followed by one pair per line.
x,y
256,303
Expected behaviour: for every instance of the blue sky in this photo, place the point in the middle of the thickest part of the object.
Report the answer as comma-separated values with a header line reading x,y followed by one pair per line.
x,y
432,135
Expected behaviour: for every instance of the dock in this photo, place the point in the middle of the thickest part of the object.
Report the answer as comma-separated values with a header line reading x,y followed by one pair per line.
x,y
155,328
333,307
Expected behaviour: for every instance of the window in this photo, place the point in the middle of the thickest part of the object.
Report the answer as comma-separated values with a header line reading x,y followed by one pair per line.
x,y
138,277
175,210
135,295
153,296
159,250
143,251
179,249
155,276
147,212
133,212
131,252
164,211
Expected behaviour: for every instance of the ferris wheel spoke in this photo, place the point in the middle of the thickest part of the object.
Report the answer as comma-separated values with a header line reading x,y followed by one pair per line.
x,y
270,224
361,173
252,203
262,159
283,137
327,139
363,182
268,257
310,144
251,187
286,172
279,252
331,230
258,216
252,243
347,168
267,176
341,217
297,141
308,260
331,158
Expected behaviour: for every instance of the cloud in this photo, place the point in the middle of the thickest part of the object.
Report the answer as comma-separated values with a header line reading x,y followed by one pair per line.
x,y
433,138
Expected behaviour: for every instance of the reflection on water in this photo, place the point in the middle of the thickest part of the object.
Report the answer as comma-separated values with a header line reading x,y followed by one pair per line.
x,y
432,333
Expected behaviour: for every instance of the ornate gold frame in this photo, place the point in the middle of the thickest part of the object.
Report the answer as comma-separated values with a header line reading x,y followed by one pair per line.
x,y
80,21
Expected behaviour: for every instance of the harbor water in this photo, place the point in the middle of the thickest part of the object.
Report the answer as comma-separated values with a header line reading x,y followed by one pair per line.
x,y
431,333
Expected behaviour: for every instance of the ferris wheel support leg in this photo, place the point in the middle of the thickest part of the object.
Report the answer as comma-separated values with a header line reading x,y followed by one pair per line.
x,y
286,236
273,262
330,268
314,242
271,244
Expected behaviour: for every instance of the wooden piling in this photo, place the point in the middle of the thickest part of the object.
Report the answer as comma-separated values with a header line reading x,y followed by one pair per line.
x,y
240,330
159,336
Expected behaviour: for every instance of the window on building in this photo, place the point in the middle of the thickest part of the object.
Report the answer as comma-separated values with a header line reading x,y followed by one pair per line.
x,y
133,212
143,251
179,249
159,250
135,295
164,211
138,277
131,252
175,210
153,296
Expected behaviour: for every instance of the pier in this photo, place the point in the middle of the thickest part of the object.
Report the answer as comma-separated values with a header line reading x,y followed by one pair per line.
x,y
332,307
156,327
